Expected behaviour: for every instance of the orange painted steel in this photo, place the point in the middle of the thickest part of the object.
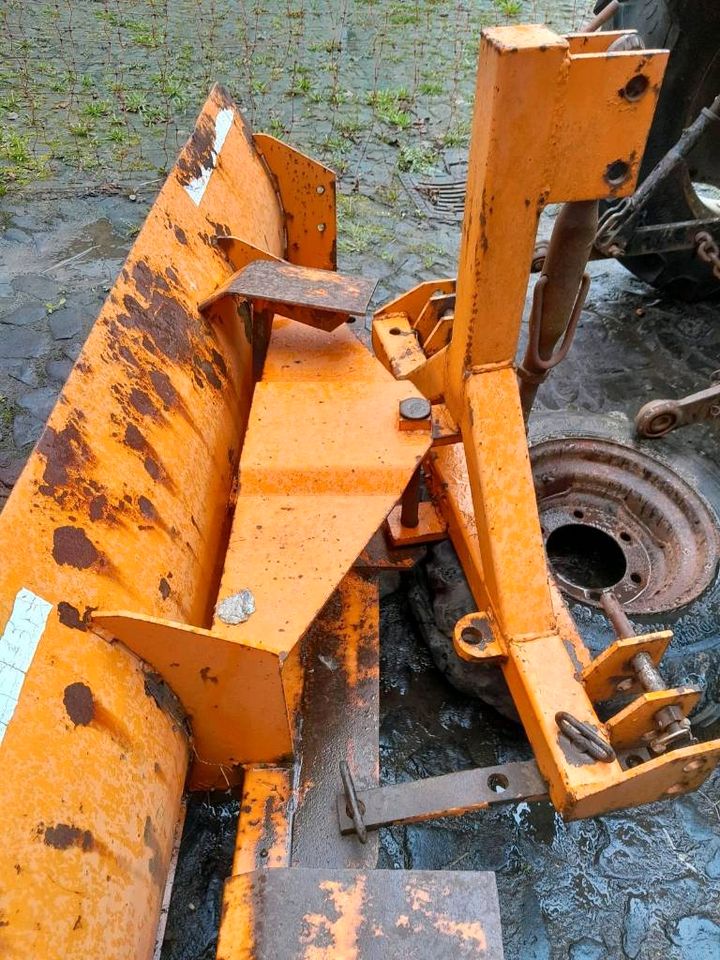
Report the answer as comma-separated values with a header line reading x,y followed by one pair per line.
x,y
306,192
126,504
323,463
558,113
123,504
265,823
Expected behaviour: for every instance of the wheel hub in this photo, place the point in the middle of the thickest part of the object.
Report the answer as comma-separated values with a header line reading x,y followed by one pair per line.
x,y
613,517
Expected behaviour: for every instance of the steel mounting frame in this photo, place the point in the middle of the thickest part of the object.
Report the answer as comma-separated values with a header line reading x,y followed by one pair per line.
x,y
561,114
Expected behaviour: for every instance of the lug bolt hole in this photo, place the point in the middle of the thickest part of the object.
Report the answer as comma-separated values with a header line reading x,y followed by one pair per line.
x,y
636,578
625,537
579,514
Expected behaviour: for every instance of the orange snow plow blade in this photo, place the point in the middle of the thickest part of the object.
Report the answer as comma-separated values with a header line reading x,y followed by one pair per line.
x,y
204,520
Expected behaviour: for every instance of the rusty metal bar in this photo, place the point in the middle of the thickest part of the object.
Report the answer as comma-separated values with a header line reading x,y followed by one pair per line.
x,y
600,19
449,795
561,291
616,615
658,417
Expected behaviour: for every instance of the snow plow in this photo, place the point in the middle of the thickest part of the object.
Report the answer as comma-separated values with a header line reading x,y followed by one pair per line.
x,y
226,474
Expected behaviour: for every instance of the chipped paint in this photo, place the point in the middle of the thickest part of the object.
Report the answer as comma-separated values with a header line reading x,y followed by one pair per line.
x,y
197,187
343,931
236,608
17,648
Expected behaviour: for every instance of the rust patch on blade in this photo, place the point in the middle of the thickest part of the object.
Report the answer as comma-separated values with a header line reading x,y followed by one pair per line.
x,y
79,703
199,153
164,388
135,440
71,617
162,319
66,455
73,548
155,864
142,403
147,508
65,835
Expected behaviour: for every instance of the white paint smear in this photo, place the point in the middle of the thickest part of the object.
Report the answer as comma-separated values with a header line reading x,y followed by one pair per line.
x,y
17,648
197,187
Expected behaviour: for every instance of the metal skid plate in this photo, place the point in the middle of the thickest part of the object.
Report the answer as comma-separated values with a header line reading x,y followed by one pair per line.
x,y
320,298
297,914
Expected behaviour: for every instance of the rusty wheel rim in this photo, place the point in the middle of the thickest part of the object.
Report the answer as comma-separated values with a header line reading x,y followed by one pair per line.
x,y
613,517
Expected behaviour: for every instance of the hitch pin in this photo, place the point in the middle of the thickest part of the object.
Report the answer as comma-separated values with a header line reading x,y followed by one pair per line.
x,y
672,725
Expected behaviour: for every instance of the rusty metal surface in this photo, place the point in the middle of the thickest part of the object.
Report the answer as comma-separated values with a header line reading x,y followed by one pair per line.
x,y
430,526
301,914
340,709
658,417
612,672
664,534
265,822
320,298
559,295
379,555
206,671
637,723
451,795
124,504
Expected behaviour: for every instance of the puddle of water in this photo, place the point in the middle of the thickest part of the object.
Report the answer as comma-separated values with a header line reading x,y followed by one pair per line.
x,y
98,241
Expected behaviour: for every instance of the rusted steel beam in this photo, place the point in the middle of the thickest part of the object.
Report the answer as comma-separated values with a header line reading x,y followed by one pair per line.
x,y
368,914
447,796
265,822
340,712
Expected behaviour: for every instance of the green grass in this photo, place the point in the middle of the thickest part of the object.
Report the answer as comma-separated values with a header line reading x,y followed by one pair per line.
x,y
116,86
19,163
417,158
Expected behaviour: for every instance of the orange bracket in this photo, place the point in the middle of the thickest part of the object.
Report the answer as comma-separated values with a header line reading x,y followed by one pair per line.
x,y
306,190
572,135
612,672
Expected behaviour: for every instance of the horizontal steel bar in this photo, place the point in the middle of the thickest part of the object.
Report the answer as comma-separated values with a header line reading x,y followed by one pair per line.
x,y
449,795
663,237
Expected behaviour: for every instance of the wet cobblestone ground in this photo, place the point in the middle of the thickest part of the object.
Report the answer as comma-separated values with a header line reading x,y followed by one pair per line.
x,y
378,90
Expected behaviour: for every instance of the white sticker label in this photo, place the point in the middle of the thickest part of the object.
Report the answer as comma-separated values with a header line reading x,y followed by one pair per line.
x,y
17,648
196,188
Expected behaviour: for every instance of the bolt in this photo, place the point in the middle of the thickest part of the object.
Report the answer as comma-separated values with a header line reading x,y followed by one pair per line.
x,y
675,788
625,685
415,408
693,765
647,673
